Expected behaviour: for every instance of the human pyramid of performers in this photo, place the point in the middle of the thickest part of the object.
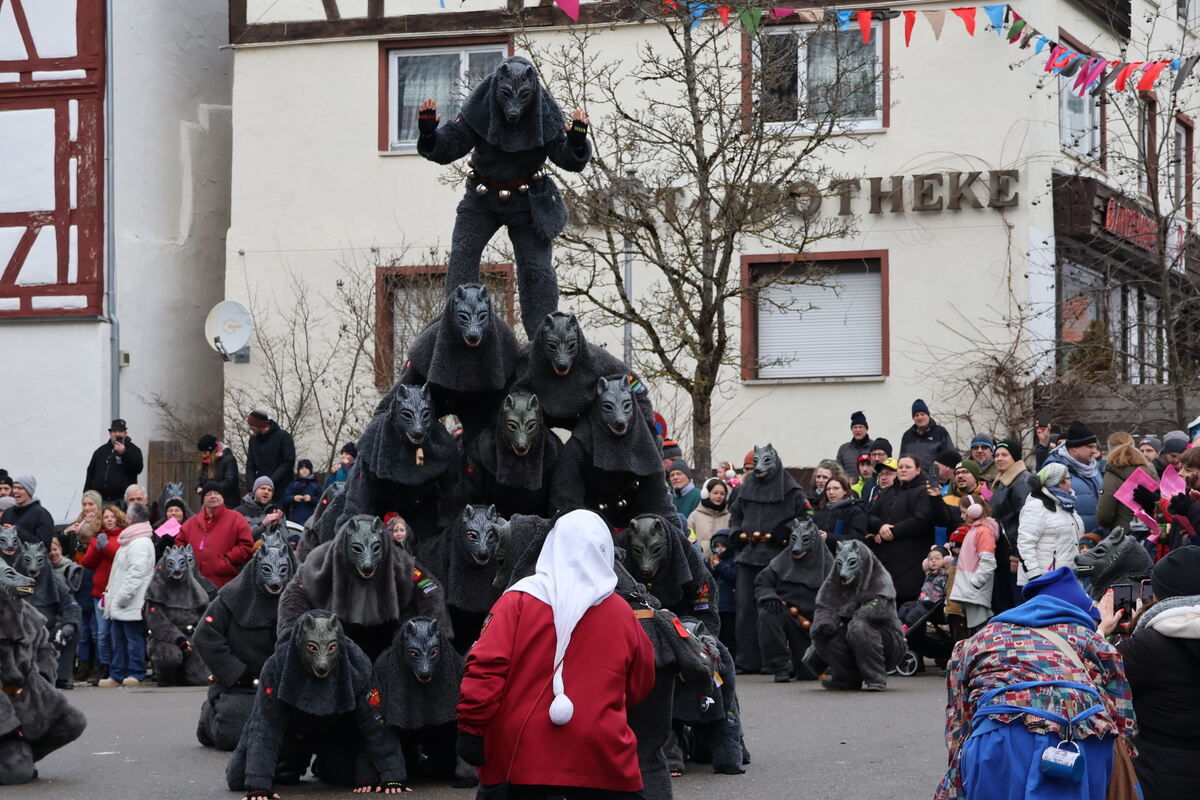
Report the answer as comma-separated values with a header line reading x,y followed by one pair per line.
x,y
344,656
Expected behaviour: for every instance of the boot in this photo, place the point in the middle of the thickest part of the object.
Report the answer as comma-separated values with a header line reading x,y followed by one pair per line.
x,y
100,674
84,670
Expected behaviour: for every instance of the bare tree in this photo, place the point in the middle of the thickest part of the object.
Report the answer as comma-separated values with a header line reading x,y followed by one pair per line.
x,y
700,155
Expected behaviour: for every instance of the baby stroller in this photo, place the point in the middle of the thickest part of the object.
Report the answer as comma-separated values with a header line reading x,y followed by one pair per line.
x,y
927,637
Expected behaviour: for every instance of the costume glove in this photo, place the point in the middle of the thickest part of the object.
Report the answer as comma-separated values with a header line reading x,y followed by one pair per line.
x,y
577,135
1146,498
1179,505
470,748
427,121
772,607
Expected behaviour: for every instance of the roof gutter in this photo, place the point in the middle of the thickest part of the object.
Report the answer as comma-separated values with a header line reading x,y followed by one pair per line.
x,y
110,232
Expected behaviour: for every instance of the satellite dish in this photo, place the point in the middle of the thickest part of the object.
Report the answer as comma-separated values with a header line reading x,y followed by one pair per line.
x,y
228,327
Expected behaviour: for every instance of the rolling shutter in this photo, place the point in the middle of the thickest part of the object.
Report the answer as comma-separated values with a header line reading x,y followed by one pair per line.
x,y
826,331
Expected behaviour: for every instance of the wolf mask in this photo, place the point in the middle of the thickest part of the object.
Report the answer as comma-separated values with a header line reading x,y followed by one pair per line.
x,y
318,641
421,640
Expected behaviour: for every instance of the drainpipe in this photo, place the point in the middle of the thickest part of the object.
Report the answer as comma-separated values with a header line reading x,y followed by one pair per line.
x,y
110,246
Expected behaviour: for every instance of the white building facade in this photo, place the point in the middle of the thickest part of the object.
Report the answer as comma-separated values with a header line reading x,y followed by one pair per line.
x,y
114,204
983,191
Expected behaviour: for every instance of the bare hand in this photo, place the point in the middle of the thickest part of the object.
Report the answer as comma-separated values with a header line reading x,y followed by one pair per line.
x,y
308,498
1109,619
1043,435
429,104
256,796
298,498
578,115
274,517
119,447
885,533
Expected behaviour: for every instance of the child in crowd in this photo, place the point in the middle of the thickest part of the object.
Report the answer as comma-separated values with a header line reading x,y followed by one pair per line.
x,y
975,569
933,590
725,573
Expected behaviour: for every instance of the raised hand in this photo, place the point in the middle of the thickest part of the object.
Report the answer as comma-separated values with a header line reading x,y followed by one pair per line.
x,y
101,541
577,129
427,117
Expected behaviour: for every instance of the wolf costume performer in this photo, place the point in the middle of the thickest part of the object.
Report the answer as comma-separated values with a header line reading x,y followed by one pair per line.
x,y
322,525
463,558
786,593
236,636
365,580
175,601
407,460
513,125
511,464
54,601
35,718
419,676
612,463
562,367
317,697
659,556
210,588
708,727
467,357
1117,558
10,544
759,523
856,634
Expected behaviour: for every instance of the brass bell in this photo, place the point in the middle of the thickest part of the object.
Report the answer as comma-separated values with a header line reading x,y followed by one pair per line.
x,y
806,623
744,536
766,537
473,175
537,176
621,504
795,612
505,194
604,506
523,188
481,190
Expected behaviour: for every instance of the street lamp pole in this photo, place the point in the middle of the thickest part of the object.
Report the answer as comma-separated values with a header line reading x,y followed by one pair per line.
x,y
628,287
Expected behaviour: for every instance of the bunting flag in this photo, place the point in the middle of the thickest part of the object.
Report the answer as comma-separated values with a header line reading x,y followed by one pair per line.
x,y
570,8
751,19
843,18
910,19
936,20
1018,26
864,25
1126,72
968,17
723,11
696,12
1185,69
1150,75
996,16
779,13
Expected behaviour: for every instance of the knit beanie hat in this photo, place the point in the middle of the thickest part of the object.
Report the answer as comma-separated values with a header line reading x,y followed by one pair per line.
x,y
882,444
28,481
748,461
206,442
304,463
971,466
671,449
1174,446
919,407
1153,441
679,465
1052,474
984,439
1089,540
211,486
1013,446
349,449
258,417
858,418
95,497
262,480
1169,435
948,458
6,503
1061,583
1178,574
1079,434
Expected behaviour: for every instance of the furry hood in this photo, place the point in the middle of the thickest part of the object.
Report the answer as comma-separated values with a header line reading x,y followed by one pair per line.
x,y
541,124
809,572
675,576
872,582
636,452
249,605
528,472
409,704
527,534
468,586
339,693
394,458
439,354
1175,617
770,490
565,399
332,583
185,592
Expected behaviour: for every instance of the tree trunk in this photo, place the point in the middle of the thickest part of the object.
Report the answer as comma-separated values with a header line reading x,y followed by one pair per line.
x,y
702,433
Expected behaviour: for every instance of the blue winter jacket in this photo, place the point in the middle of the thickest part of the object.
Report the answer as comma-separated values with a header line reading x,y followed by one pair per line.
x,y
1087,490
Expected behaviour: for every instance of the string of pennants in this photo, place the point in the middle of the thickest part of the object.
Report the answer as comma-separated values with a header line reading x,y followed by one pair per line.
x,y
1092,73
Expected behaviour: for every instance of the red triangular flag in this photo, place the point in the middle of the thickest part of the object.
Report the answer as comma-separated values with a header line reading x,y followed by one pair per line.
x,y
968,18
1126,72
1152,73
723,11
864,25
910,19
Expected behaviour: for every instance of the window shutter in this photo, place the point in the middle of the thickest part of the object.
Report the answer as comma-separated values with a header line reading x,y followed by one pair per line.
x,y
822,331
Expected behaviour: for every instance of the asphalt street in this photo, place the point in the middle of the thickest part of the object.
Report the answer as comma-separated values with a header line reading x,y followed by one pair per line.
x,y
804,741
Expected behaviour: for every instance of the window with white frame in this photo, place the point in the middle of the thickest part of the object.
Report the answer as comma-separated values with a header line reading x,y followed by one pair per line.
x,y
1187,12
815,76
831,327
1078,120
447,74
1147,155
1181,167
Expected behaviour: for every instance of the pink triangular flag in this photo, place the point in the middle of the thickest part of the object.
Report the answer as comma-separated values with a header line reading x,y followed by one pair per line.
x,y
936,20
570,8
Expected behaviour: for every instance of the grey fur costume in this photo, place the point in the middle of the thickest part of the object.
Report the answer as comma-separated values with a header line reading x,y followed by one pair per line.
x,y
385,476
856,634
370,610
709,724
235,637
297,715
793,583
468,585
55,601
321,527
494,475
682,584
173,609
566,398
40,713
423,713
509,154
1117,558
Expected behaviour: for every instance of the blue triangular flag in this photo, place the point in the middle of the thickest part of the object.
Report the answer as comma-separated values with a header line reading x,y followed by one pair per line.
x,y
1176,64
996,16
697,11
1042,41
843,18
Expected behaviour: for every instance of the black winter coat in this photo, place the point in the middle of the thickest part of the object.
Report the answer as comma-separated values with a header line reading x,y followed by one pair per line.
x,y
33,523
110,473
906,507
843,520
925,446
225,472
272,454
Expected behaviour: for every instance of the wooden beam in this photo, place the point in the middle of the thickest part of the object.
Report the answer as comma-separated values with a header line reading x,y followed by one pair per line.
x,y
433,23
375,9
331,9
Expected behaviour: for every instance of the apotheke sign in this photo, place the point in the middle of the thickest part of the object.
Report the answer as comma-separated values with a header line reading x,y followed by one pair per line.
x,y
923,193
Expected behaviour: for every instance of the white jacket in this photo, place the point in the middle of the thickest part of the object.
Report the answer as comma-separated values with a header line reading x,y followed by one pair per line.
x,y
132,569
1046,540
975,585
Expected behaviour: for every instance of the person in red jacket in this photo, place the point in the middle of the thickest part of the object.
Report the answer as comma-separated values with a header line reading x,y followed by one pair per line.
x,y
99,558
220,538
542,706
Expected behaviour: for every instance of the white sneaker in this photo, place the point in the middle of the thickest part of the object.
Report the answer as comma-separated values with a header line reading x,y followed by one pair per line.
x,y
107,683
130,681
